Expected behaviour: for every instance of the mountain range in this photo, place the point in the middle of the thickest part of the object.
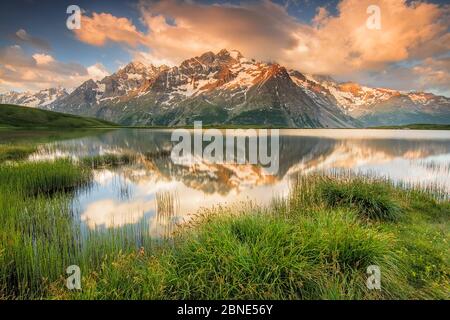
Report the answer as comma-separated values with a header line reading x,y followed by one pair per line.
x,y
227,88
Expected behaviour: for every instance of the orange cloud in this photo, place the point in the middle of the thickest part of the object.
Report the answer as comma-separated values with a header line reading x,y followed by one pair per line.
x,y
342,44
104,27
260,30
263,30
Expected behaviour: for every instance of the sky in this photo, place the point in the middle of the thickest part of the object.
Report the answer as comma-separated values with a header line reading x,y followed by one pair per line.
x,y
405,45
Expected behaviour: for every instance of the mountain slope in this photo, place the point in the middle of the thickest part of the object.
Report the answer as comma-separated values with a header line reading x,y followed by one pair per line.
x,y
379,106
39,99
215,88
18,116
227,88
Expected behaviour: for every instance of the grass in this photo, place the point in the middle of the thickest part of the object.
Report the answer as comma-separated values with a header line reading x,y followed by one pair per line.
x,y
15,152
35,223
314,244
18,116
247,256
108,160
259,257
370,199
33,178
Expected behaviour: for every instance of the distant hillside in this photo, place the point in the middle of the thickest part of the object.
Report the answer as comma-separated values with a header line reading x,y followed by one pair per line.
x,y
18,116
417,126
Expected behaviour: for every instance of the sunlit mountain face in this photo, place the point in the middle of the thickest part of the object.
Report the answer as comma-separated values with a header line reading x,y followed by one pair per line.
x,y
130,194
297,64
227,88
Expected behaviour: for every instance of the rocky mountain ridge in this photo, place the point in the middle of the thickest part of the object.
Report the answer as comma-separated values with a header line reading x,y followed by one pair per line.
x,y
227,88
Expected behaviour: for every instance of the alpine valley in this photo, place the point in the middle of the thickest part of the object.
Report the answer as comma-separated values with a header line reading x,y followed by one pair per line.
x,y
227,88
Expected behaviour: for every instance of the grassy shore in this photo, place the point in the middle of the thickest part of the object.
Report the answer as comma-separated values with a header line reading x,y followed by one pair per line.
x,y
9,152
314,244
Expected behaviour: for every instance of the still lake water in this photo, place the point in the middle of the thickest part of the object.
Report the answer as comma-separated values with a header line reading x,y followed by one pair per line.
x,y
129,194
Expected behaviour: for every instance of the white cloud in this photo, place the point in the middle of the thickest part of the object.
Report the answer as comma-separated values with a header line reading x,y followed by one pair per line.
x,y
42,59
97,71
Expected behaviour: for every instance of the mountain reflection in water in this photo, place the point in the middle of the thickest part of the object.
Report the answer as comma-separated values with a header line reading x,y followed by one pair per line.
x,y
138,192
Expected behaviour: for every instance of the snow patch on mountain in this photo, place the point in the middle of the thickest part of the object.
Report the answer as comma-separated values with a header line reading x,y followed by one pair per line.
x,y
228,84
40,98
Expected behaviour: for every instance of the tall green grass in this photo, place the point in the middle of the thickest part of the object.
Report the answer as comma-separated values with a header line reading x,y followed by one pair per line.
x,y
33,178
314,244
303,247
371,199
40,235
36,228
10,152
264,257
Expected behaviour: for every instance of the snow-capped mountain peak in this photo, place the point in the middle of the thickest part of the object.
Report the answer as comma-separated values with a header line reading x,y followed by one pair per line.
x,y
138,69
226,87
39,98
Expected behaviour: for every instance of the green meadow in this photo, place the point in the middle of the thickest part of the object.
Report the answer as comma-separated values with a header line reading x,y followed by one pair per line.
x,y
314,244
24,117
